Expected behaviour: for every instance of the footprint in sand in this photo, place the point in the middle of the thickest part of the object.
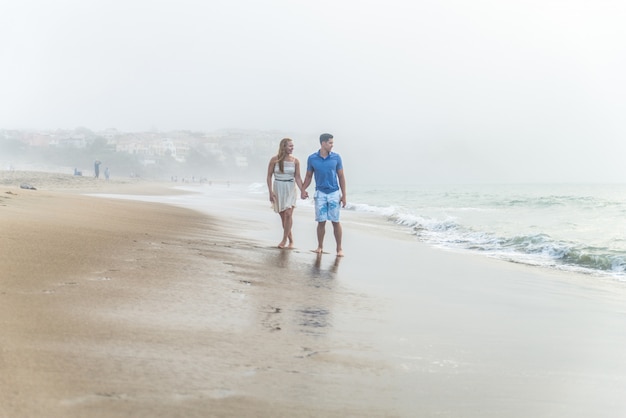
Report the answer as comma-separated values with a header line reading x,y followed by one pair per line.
x,y
269,321
100,279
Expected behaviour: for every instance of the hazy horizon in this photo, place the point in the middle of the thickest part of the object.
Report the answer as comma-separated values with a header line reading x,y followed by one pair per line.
x,y
446,91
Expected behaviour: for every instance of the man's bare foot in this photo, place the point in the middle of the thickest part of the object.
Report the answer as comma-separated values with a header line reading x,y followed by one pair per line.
x,y
282,244
339,253
291,246
318,250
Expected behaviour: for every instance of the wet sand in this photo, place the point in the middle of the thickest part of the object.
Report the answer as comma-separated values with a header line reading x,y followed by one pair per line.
x,y
113,308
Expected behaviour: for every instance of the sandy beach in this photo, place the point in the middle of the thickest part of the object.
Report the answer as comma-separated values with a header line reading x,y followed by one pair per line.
x,y
120,308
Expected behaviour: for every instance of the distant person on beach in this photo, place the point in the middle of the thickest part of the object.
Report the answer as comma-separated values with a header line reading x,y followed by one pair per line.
x,y
107,173
285,169
96,168
330,190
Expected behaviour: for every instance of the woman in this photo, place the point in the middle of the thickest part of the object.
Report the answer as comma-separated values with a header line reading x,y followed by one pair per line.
x,y
286,171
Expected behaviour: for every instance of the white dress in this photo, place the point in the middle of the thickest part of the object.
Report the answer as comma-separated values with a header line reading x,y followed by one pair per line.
x,y
284,187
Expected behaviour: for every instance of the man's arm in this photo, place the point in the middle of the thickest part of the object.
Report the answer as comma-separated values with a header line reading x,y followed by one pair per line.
x,y
342,186
305,184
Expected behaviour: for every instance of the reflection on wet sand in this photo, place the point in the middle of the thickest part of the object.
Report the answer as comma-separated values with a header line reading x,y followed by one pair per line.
x,y
304,303
314,320
282,260
315,316
329,273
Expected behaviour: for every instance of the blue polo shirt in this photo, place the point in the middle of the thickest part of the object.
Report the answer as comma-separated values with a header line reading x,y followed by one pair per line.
x,y
325,171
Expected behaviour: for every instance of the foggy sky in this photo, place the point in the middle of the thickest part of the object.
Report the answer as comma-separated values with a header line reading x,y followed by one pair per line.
x,y
413,90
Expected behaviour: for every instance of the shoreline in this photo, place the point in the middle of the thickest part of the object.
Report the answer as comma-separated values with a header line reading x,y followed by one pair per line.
x,y
114,307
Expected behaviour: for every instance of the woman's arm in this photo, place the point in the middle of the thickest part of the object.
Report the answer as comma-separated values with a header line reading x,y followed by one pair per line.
x,y
298,178
270,173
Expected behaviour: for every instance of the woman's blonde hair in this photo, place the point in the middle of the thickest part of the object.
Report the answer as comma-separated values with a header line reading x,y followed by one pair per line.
x,y
282,153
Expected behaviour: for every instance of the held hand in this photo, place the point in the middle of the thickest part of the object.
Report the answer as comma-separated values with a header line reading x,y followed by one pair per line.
x,y
304,195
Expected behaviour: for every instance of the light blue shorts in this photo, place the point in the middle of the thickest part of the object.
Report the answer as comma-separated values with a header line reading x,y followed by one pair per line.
x,y
327,206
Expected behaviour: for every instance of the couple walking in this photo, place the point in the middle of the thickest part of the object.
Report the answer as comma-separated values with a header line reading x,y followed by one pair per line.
x,y
330,188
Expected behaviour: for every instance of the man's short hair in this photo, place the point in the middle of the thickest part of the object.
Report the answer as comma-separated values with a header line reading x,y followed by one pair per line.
x,y
325,137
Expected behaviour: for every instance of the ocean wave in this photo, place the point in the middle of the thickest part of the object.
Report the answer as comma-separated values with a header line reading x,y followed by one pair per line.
x,y
257,188
535,249
363,207
539,202
537,227
596,259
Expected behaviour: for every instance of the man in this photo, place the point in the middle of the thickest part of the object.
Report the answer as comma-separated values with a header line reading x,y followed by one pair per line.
x,y
330,190
96,168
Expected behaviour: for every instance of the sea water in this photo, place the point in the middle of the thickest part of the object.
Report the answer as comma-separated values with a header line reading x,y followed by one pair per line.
x,y
561,226
570,227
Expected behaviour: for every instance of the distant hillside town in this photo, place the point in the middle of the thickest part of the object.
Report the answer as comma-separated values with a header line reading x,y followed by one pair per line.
x,y
180,154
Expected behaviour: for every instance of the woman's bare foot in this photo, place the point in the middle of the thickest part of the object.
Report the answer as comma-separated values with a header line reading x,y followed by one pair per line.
x,y
319,250
282,244
340,253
